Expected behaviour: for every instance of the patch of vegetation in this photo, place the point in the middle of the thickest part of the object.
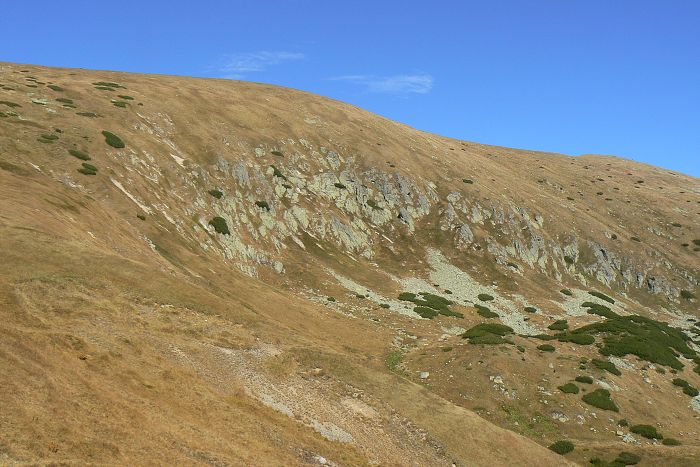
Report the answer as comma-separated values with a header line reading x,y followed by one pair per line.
x,y
602,296
627,458
104,88
54,87
277,173
485,311
484,297
220,226
584,379
488,333
635,239
546,348
568,260
531,309
15,169
566,292
373,204
330,299
696,242
600,398
79,154
687,294
339,185
126,98
108,84
687,388
11,105
64,100
468,181
648,431
607,366
277,153
580,339
216,193
425,312
670,442
569,388
600,310
88,166
263,205
47,138
113,140
121,104
384,305
559,325
431,301
562,447
141,216
88,170
623,422
650,340
87,114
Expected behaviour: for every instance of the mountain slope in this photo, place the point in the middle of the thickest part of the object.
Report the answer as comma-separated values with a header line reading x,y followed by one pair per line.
x,y
222,262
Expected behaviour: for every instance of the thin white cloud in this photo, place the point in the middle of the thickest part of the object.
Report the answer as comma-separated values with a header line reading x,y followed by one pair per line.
x,y
237,64
398,84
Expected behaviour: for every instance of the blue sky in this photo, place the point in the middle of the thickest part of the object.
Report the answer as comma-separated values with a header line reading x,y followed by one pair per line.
x,y
615,77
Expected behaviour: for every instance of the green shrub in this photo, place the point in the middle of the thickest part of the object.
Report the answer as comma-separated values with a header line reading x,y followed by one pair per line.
x,y
488,333
47,138
113,140
584,379
79,154
635,239
277,153
219,224
580,339
485,311
680,382
484,297
11,105
339,185
546,348
87,171
425,312
384,305
121,104
600,310
277,173
606,365
544,337
696,241
648,431
627,458
568,260
216,193
467,181
602,296
330,299
676,224
373,204
567,292
10,167
562,447
141,216
55,88
622,422
64,100
108,84
89,167
126,98
569,388
263,205
690,391
670,442
531,309
559,325
687,294
104,88
600,398
407,296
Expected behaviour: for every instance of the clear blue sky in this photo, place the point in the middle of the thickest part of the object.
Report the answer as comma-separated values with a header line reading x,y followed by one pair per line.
x,y
615,77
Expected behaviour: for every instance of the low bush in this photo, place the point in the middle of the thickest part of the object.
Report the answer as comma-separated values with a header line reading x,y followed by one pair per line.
x,y
108,84
47,138
568,260
562,447
425,312
220,226
647,431
531,309
121,104
484,297
569,388
64,100
566,292
141,216
627,458
54,87
580,339
113,140
602,296
263,205
559,325
384,305
11,105
485,311
600,398
79,154
330,299
216,193
635,239
688,295
584,379
488,333
622,422
600,310
277,153
126,98
467,181
544,337
276,173
546,348
340,186
89,167
373,204
607,366
670,442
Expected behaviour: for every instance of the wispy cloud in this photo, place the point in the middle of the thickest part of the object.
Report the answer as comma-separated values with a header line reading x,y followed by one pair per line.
x,y
398,84
236,65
